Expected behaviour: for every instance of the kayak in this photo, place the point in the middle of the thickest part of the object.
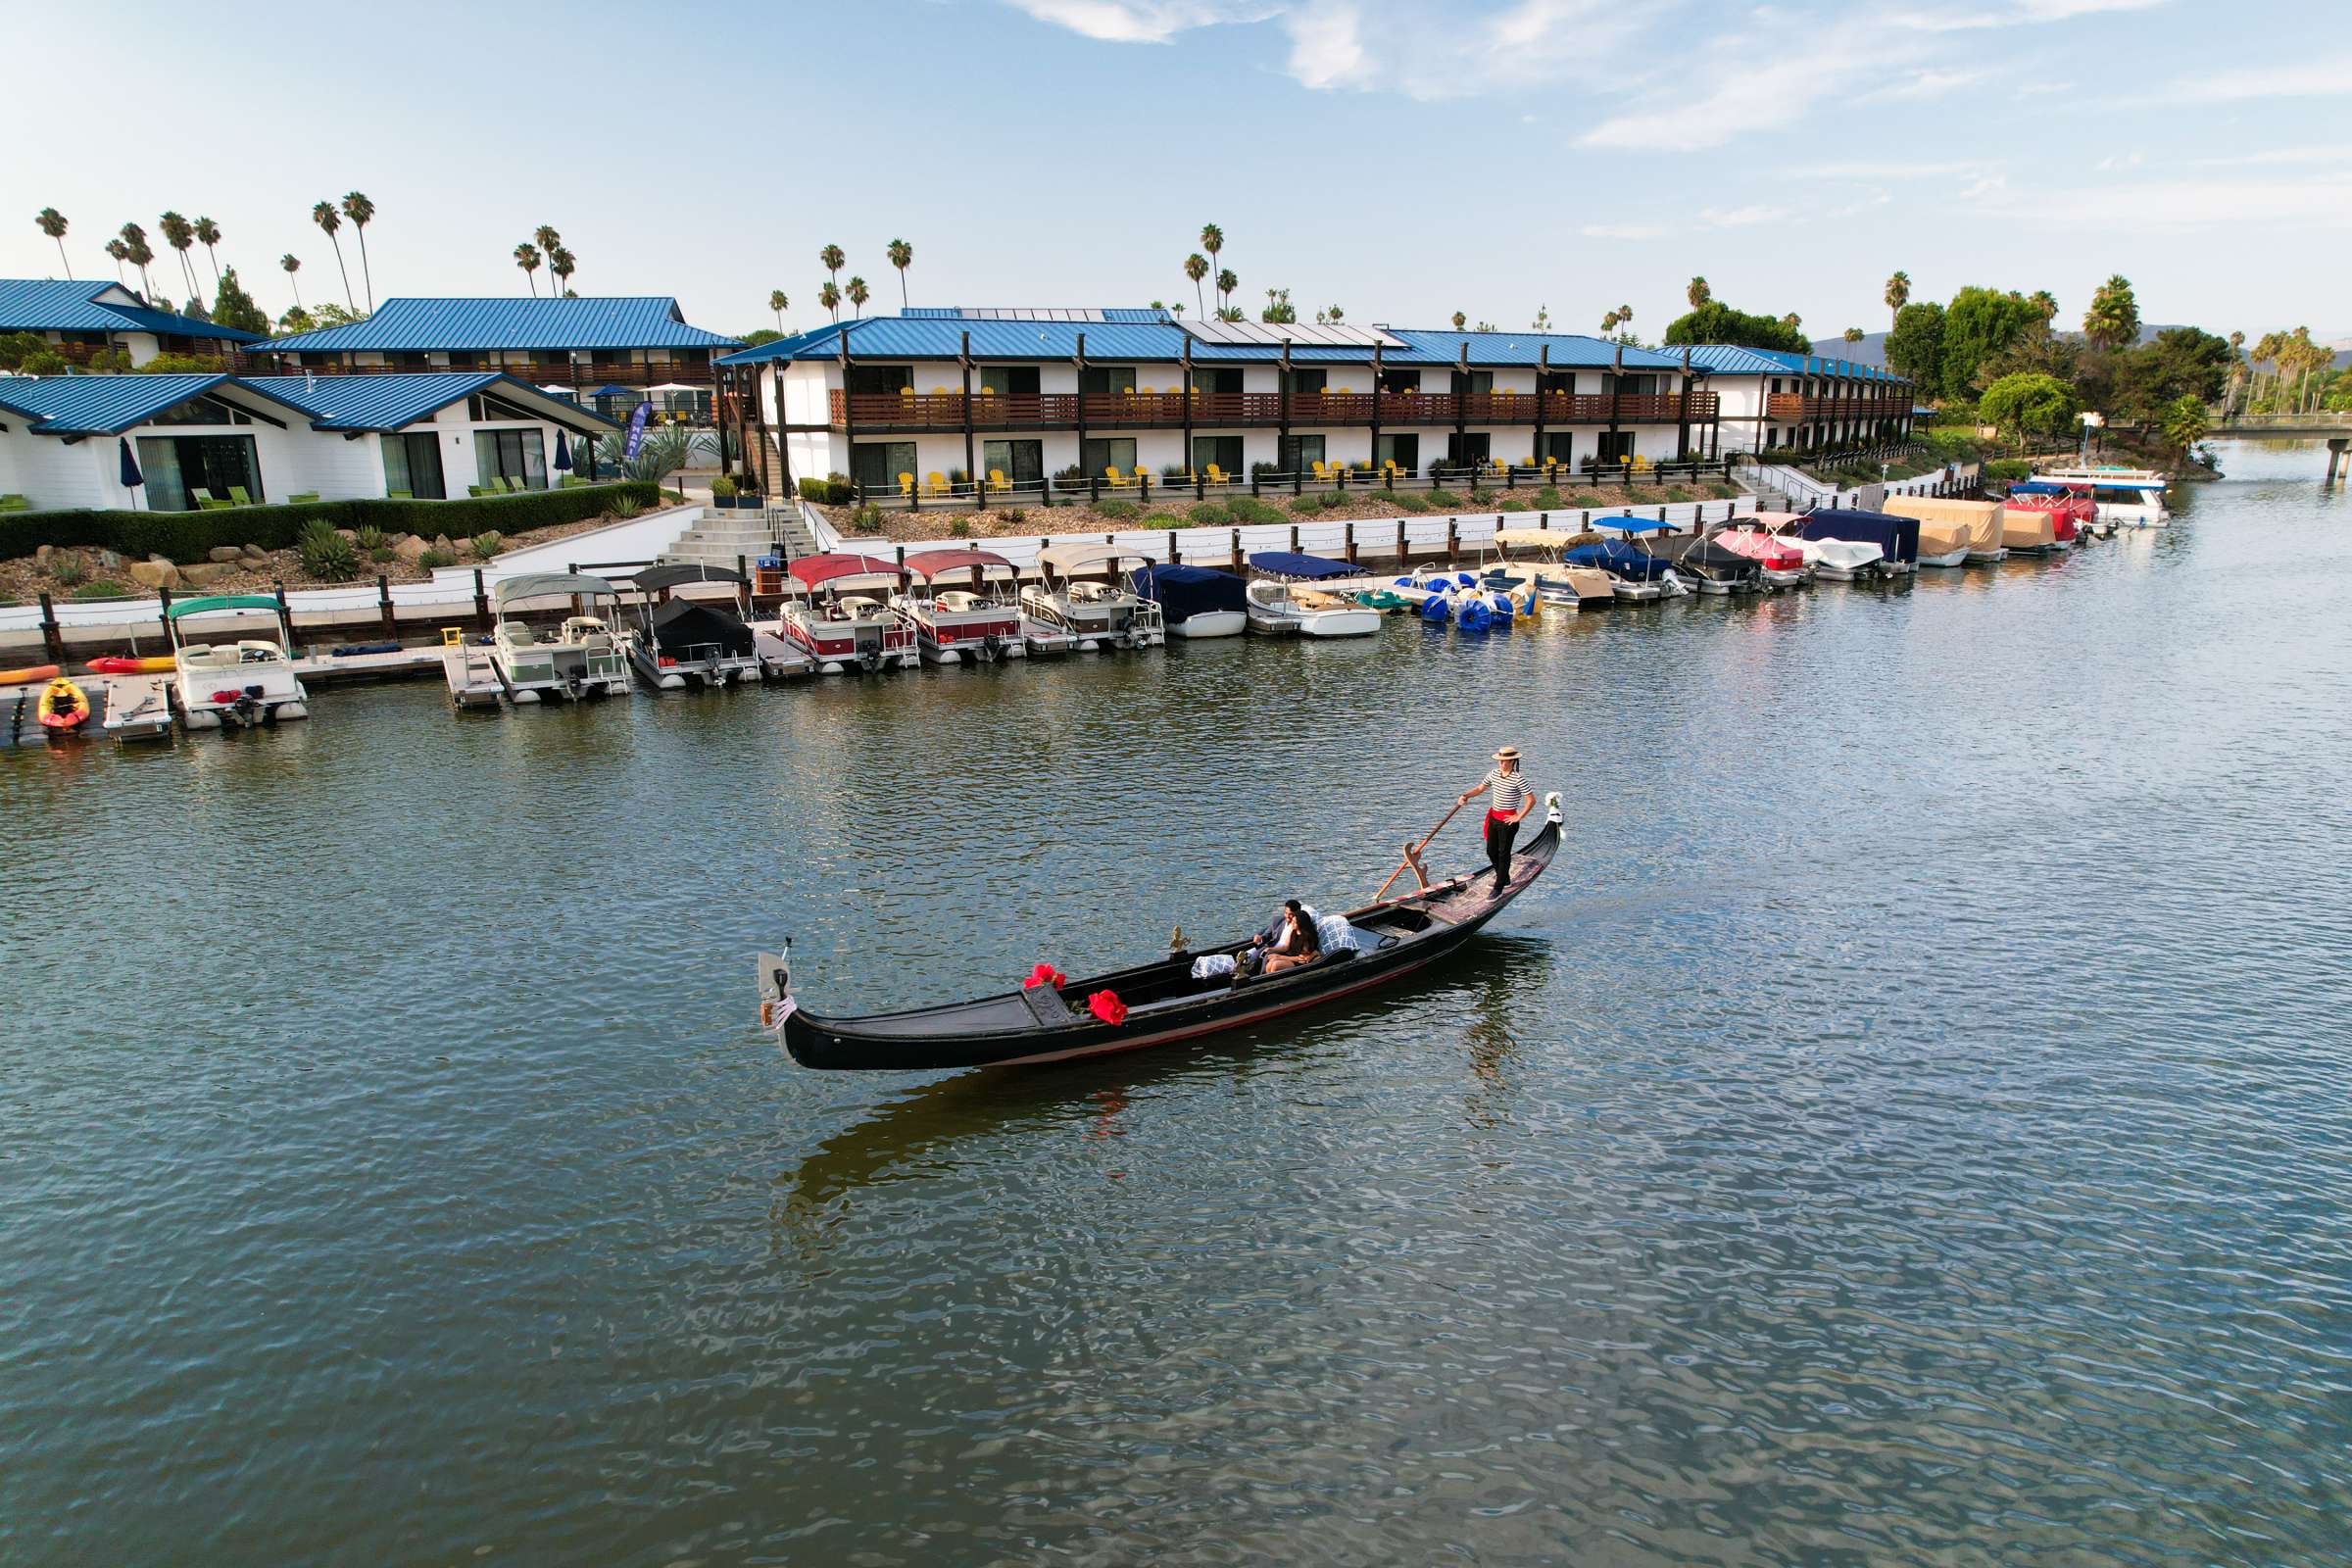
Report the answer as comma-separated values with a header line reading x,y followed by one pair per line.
x,y
30,675
63,708
117,665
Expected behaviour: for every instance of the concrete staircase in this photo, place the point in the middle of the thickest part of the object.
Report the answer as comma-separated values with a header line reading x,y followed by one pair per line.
x,y
721,538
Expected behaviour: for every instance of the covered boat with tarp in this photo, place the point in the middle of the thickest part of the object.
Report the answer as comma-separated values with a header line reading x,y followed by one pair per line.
x,y
678,642
1951,531
1192,994
1282,601
2044,517
1193,601
1543,570
1716,568
962,605
2129,498
1896,538
1639,577
837,611
1780,560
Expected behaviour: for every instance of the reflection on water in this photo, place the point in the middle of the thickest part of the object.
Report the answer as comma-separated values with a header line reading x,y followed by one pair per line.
x,y
1905,1124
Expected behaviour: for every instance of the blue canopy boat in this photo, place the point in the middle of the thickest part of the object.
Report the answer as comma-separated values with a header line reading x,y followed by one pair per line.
x,y
1196,601
1638,575
1897,538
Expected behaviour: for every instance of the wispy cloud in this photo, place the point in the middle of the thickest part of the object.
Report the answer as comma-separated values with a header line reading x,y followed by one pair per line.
x,y
2316,201
1624,231
1864,169
1740,217
1140,21
2119,161
2017,11
2335,153
2308,78
1925,83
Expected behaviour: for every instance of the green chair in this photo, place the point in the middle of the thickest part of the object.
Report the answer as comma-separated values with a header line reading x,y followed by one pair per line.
x,y
510,484
237,496
14,502
400,495
207,502
476,490
301,498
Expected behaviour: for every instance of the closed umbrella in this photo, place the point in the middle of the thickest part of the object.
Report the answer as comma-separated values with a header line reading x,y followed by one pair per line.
x,y
131,477
563,452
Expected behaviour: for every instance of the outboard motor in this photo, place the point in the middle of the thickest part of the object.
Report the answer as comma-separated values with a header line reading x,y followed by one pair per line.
x,y
991,648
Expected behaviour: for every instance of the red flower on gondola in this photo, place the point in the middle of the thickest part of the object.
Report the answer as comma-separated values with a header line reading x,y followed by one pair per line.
x,y
1045,974
1106,1006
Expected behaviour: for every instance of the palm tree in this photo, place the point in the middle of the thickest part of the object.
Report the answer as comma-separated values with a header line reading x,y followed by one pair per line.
x,y
832,260
292,265
1854,334
902,256
1226,284
1698,293
1792,320
52,223
546,239
2045,301
1460,321
323,213
858,293
1899,293
776,302
829,296
121,253
560,265
208,236
181,234
1608,322
1212,241
1625,313
138,253
361,211
2112,318
527,257
1196,267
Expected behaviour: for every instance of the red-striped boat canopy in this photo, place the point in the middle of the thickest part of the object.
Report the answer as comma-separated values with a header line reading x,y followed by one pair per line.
x,y
814,571
939,563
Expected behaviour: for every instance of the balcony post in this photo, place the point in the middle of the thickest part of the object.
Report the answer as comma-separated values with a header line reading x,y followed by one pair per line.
x,y
1461,402
1376,395
1682,413
971,473
1282,431
1079,359
1616,381
721,387
1542,375
849,406
1199,485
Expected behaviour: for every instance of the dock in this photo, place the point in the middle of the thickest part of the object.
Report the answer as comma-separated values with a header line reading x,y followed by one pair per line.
x,y
473,681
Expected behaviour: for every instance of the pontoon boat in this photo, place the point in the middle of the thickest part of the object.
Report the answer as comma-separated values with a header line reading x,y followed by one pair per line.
x,y
680,642
582,657
1550,579
235,685
2129,498
1100,616
1193,601
1979,525
836,610
981,623
1780,563
1896,538
1640,576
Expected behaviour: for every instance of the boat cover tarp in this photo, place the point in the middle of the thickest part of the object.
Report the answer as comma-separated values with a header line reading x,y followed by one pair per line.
x,y
1982,520
816,570
1184,592
670,574
1705,555
1626,526
1286,563
1897,538
939,563
682,625
545,585
1620,560
2023,528
1941,538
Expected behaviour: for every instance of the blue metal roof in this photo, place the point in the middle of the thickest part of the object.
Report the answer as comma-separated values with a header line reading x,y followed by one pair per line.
x,y
1732,359
394,401
1489,348
99,404
51,305
413,326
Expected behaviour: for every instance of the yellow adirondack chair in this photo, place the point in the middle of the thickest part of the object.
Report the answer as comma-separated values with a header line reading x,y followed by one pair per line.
x,y
1117,482
997,484
1322,474
1216,475
906,484
934,483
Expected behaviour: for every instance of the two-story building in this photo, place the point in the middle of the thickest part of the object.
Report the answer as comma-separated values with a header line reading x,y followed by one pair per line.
x,y
1031,393
426,435
582,347
84,317
1769,399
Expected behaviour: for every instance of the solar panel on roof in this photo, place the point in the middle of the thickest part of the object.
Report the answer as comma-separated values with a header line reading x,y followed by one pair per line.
x,y
1275,333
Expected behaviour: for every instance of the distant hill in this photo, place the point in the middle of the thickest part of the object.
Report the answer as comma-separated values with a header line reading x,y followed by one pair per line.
x,y
1872,350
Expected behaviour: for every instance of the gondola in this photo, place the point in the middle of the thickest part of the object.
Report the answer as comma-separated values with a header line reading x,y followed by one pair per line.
x,y
1157,1003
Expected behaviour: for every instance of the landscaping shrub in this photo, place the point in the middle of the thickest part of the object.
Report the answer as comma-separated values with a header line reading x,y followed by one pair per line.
x,y
381,554
1515,504
369,538
1161,519
867,518
960,528
103,588
325,554
722,488
486,545
1248,508
435,560
1118,511
1722,492
1445,499
68,571
1307,505
188,537
1016,514
2009,469
1549,498
1407,501
1481,497
1210,514
1333,500
1262,470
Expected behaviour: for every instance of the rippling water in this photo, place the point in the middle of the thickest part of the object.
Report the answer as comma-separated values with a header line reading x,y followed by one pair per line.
x,y
1911,1126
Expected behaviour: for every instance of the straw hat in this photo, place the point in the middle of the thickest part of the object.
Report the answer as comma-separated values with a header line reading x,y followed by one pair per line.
x,y
1508,754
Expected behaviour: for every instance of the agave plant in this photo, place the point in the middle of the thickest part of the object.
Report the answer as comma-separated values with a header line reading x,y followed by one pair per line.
x,y
660,454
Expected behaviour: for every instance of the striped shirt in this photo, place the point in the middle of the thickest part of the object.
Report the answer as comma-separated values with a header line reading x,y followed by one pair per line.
x,y
1511,794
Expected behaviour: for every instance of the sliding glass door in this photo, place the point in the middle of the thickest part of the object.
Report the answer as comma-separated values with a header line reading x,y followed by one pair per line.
x,y
177,467
413,466
513,455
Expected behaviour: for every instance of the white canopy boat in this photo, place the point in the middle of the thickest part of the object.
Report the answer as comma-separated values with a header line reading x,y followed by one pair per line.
x,y
582,657
1550,578
1282,604
837,611
981,623
680,642
1100,616
2127,497
234,685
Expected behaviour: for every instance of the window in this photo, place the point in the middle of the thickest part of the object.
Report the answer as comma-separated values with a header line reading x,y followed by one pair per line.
x,y
1775,384
1632,386
408,360
1021,462
464,359
1399,381
1011,381
1309,380
1557,381
1299,453
1106,379
1616,444
1558,445
1114,452
1402,450
413,463
1225,451
177,466
202,410
1466,447
1220,378
877,465
884,379
511,455
482,407
1473,382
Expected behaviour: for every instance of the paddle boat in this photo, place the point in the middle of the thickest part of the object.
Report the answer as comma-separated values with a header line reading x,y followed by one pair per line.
x,y
837,611
678,642
1780,563
1280,603
1639,577
234,685
582,657
981,623
1896,539
1193,601
1547,579
1099,615
1190,994
2127,497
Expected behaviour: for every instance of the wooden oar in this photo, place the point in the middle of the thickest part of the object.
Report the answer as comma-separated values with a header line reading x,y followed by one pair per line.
x,y
1412,851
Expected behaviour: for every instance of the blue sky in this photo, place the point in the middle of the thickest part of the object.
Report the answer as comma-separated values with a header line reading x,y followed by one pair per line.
x,y
1402,157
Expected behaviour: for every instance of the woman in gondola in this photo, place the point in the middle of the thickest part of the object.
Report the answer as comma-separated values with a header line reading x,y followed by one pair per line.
x,y
1506,807
1301,944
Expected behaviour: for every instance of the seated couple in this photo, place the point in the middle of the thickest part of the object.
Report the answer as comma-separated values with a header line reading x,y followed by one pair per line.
x,y
1298,937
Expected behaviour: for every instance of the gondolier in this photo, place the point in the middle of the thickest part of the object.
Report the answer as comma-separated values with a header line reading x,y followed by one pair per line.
x,y
1509,801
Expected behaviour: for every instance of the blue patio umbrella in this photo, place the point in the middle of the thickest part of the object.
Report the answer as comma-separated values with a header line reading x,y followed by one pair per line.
x,y
563,452
130,475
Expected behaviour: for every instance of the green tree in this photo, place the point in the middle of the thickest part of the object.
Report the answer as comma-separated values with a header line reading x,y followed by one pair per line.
x,y
1460,321
1898,294
290,263
1854,334
1227,311
1212,241
2025,405
2045,303
139,253
208,236
121,254
832,258
1915,346
1718,322
765,334
858,293
2112,318
233,307
527,257
2184,422
180,234
1698,293
323,213
828,294
902,256
361,211
1279,307
296,320
2182,361
1196,267
777,303
560,265
52,223
1979,324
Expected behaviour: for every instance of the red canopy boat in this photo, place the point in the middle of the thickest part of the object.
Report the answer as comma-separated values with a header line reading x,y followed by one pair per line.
x,y
982,623
842,618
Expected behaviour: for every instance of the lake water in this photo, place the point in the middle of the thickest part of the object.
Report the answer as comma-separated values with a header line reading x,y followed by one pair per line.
x,y
1913,1122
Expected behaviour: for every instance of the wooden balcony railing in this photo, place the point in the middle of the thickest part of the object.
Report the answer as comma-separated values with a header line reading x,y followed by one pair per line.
x,y
1793,405
1127,410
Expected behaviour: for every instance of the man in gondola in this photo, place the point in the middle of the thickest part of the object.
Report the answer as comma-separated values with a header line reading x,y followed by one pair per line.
x,y
1508,804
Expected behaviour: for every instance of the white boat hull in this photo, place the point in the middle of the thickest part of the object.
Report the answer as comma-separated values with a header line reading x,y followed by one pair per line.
x,y
1339,623
1212,623
1951,558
